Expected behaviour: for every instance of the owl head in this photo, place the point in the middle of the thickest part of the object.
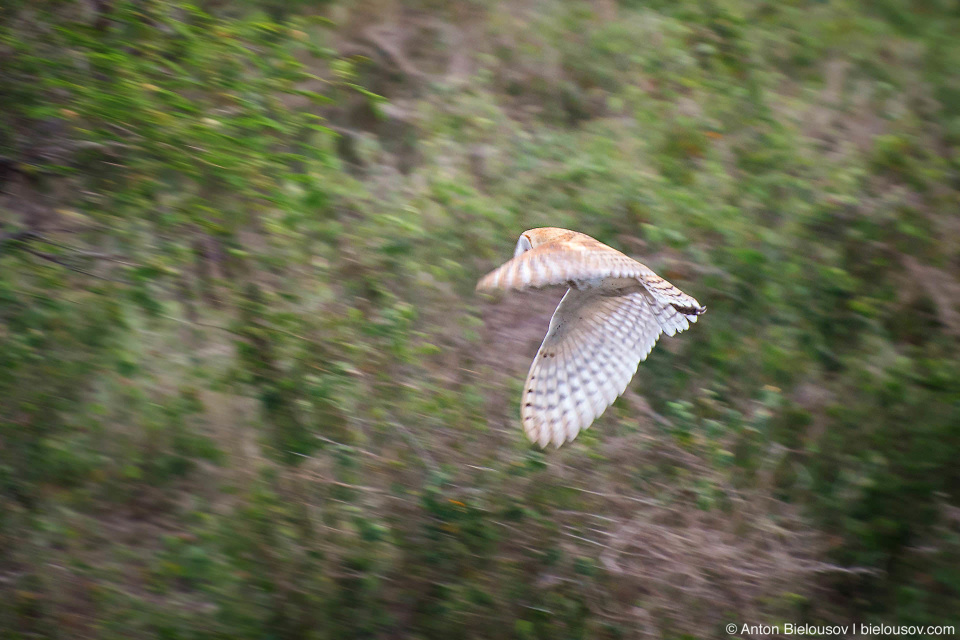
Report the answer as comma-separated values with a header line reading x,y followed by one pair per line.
x,y
534,237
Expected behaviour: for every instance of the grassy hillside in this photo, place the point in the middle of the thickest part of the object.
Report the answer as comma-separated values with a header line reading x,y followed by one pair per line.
x,y
247,389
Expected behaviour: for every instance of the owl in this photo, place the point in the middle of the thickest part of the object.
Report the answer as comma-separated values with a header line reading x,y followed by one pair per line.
x,y
612,314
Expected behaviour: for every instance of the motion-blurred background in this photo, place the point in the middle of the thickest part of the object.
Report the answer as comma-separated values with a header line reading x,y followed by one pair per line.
x,y
247,389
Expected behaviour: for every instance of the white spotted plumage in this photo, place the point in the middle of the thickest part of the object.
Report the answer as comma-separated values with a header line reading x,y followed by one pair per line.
x,y
607,323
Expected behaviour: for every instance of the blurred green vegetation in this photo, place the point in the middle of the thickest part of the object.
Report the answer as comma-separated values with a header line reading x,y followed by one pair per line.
x,y
247,389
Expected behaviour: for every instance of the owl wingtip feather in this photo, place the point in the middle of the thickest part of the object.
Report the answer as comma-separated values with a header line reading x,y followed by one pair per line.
x,y
486,283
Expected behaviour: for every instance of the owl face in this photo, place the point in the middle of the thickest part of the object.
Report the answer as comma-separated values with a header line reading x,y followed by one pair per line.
x,y
523,244
536,237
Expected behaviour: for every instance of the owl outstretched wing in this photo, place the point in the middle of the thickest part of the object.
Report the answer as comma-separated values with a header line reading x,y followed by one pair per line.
x,y
590,354
579,260
559,263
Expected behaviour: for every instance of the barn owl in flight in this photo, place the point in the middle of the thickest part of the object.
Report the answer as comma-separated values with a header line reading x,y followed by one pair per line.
x,y
611,316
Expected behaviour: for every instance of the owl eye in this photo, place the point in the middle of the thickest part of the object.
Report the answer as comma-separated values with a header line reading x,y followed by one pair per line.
x,y
523,244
